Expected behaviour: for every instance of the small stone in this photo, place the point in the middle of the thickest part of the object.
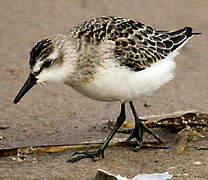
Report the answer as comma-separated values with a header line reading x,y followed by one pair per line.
x,y
197,163
14,158
147,105
172,167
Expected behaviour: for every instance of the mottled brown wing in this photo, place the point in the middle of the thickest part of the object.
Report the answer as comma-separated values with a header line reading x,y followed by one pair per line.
x,y
137,46
146,46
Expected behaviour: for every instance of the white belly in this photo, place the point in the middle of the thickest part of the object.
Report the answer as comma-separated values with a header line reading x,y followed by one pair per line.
x,y
121,84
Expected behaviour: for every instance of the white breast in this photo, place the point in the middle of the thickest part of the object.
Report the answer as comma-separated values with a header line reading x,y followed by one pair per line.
x,y
115,83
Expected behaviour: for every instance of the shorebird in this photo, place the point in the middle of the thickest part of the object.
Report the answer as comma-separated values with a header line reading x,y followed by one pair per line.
x,y
108,59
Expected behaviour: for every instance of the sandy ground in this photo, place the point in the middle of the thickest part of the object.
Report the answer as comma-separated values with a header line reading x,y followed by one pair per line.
x,y
55,114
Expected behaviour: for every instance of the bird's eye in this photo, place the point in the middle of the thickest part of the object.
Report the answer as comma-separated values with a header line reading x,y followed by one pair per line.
x,y
47,63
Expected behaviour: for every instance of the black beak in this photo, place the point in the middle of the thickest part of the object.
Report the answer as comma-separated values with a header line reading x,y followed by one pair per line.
x,y
30,82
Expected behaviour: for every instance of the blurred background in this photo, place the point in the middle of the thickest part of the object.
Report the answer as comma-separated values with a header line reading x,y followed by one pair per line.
x,y
55,114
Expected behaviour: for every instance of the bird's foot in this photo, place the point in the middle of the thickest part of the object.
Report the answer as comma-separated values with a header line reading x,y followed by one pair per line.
x,y
94,155
139,131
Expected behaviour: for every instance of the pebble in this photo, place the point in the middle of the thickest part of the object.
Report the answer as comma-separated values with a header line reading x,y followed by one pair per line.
x,y
197,163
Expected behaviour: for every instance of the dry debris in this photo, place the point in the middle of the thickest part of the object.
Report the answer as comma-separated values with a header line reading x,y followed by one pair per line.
x,y
186,124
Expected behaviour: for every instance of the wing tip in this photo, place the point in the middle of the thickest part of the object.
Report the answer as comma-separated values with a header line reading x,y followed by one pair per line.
x,y
189,31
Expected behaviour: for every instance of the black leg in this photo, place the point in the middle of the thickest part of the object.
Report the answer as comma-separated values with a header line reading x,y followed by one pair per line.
x,y
99,153
140,128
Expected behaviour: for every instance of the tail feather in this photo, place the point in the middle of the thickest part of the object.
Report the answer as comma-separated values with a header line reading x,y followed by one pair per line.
x,y
180,36
185,31
196,33
189,32
170,42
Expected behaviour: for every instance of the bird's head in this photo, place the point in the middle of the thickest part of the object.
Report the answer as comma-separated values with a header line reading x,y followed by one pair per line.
x,y
46,64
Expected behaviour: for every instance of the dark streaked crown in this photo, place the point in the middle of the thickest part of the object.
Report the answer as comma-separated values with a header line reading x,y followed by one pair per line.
x,y
41,50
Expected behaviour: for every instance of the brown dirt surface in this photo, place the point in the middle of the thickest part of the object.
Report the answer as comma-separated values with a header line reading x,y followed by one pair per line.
x,y
56,114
